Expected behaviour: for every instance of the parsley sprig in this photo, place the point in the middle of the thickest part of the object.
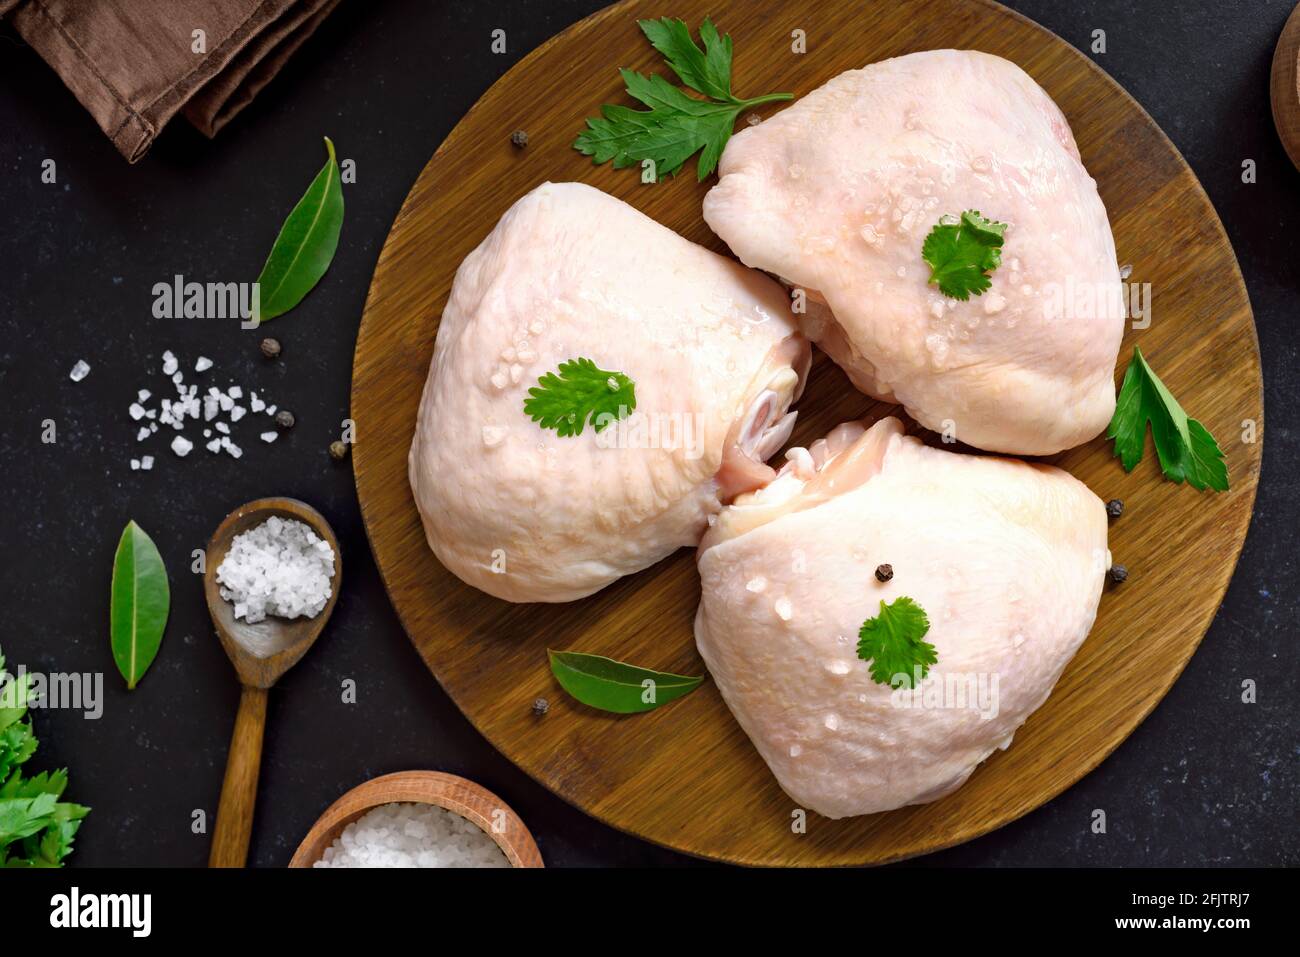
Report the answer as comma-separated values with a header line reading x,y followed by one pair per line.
x,y
1186,449
891,641
36,828
581,392
676,125
962,252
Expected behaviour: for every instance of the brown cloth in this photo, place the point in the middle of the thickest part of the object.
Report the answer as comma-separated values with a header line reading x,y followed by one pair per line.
x,y
134,64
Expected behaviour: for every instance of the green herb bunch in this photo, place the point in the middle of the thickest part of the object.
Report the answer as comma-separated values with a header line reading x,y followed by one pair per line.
x,y
36,828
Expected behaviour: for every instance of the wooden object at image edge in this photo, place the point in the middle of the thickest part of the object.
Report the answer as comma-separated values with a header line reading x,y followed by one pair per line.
x,y
685,776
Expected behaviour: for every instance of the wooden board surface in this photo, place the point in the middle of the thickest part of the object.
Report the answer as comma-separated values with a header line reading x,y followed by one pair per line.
x,y
685,776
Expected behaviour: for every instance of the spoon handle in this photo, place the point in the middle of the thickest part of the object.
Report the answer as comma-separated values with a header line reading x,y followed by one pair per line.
x,y
239,789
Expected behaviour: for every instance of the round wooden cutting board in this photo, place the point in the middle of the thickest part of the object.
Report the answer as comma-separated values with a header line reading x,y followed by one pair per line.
x,y
685,776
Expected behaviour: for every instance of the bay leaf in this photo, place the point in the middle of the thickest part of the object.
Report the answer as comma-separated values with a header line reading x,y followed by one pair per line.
x,y
306,244
140,602
616,686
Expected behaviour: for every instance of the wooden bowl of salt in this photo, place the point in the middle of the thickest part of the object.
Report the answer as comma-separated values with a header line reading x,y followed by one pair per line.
x,y
458,795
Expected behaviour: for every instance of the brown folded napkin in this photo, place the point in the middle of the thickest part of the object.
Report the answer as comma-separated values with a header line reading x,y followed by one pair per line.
x,y
134,65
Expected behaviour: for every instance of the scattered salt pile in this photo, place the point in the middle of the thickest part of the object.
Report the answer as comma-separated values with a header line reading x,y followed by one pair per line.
x,y
412,835
281,568
191,408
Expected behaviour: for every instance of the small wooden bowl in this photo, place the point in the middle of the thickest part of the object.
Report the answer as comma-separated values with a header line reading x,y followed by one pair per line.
x,y
1284,86
456,794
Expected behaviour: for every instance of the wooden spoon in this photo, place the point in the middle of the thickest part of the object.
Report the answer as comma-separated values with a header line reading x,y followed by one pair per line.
x,y
456,794
261,653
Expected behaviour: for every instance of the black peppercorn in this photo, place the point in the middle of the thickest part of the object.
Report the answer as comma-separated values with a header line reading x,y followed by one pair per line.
x,y
519,139
1115,508
284,419
1118,573
338,450
884,573
270,347
541,706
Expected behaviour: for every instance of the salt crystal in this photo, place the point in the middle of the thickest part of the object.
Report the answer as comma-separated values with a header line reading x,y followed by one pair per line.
x,y
207,433
256,404
202,364
170,365
269,437
181,446
233,450
146,463
270,410
79,371
142,434
151,413
143,395
135,465
237,412
413,835
276,569
223,428
178,378
137,411
784,610
226,402
235,392
210,408
214,445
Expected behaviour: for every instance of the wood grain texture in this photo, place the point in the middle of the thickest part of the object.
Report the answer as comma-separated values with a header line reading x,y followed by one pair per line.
x,y
1284,87
471,801
234,825
685,776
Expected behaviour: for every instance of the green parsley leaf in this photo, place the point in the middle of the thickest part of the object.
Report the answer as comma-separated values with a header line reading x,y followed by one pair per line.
x,y
891,641
708,71
676,125
962,252
1185,448
36,828
581,392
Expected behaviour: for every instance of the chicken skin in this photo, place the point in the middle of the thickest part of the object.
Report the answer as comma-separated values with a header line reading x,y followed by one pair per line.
x,y
1006,559
836,195
528,514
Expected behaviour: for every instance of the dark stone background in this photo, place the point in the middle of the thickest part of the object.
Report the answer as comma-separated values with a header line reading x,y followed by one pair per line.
x,y
1205,779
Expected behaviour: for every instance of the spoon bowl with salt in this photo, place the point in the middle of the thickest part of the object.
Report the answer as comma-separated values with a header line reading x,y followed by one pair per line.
x,y
261,652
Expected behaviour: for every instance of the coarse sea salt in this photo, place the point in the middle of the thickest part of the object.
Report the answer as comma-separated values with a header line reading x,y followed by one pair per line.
x,y
280,568
412,835
79,371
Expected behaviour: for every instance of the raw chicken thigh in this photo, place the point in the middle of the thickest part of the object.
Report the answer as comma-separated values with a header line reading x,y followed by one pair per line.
x,y
837,193
570,272
1006,558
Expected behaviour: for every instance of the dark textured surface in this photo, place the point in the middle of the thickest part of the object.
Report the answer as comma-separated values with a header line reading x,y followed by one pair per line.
x,y
1206,779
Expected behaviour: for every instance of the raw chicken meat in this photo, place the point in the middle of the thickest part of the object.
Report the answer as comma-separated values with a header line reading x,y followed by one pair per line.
x,y
1006,558
837,193
569,272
